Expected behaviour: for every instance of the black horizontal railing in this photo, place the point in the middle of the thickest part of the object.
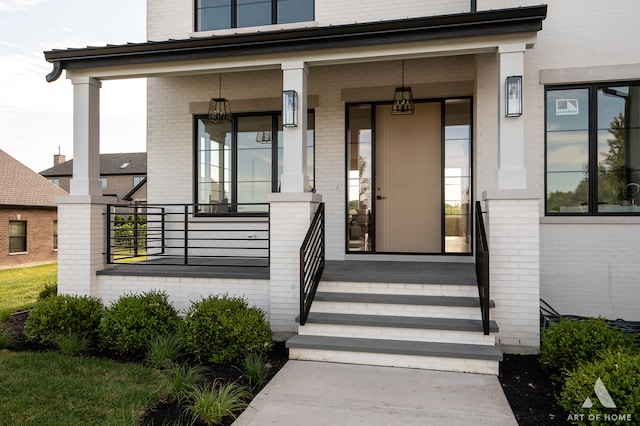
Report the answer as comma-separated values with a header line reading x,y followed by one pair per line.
x,y
312,262
482,267
188,234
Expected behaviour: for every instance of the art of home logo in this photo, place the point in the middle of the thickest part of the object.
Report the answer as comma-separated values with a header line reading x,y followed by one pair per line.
x,y
603,396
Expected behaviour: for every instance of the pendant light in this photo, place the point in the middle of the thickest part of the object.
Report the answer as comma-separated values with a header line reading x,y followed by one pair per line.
x,y
219,108
403,98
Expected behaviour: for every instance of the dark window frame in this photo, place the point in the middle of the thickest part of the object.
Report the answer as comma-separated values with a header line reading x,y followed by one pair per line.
x,y
592,149
234,15
275,145
23,237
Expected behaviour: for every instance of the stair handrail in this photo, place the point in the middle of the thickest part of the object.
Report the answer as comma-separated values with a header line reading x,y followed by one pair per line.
x,y
312,262
482,267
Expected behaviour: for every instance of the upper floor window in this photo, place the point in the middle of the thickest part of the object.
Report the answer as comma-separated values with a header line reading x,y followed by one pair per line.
x,y
55,181
137,180
17,236
593,149
222,14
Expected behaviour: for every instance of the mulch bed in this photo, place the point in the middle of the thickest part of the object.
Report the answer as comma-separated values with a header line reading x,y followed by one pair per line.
x,y
529,389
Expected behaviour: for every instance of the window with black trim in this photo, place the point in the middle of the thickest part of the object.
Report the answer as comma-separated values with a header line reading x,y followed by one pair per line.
x,y
222,14
55,235
17,236
593,149
239,163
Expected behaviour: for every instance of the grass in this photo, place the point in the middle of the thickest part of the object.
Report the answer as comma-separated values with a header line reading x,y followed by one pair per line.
x,y
19,287
48,388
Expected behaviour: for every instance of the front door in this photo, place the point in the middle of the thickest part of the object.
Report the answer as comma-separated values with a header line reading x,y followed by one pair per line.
x,y
408,190
409,178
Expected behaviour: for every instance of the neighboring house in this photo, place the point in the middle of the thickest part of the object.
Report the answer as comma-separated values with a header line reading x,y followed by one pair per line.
x,y
398,118
122,175
28,215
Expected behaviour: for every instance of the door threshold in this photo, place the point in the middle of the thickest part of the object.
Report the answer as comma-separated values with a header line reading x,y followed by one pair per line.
x,y
389,257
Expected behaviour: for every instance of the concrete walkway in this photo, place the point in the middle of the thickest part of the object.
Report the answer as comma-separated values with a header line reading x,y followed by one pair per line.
x,y
318,393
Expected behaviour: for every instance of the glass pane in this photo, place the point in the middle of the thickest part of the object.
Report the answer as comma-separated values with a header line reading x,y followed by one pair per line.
x,y
254,12
213,15
567,156
17,236
619,149
457,176
359,173
295,11
214,165
254,159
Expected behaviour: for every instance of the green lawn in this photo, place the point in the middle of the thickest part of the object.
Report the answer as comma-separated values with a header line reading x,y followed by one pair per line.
x,y
19,287
49,388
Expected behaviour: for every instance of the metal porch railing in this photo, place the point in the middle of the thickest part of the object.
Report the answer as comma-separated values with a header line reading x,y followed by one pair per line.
x,y
482,267
312,262
188,234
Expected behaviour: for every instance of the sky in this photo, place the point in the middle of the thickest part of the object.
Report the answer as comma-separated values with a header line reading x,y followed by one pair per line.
x,y
36,117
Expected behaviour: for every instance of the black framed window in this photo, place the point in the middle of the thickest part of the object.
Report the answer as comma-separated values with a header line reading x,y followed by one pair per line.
x,y
239,163
593,149
17,236
222,14
55,235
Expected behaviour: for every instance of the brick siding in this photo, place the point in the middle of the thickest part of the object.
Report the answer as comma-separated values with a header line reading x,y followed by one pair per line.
x,y
39,236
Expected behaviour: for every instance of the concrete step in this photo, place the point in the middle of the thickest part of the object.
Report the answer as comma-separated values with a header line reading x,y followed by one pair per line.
x,y
413,289
483,359
397,305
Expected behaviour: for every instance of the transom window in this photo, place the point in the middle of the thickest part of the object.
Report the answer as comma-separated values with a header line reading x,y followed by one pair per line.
x,y
240,163
17,236
222,14
593,149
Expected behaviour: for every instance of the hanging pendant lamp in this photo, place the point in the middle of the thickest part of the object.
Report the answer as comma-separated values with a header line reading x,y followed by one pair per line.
x,y
219,108
403,98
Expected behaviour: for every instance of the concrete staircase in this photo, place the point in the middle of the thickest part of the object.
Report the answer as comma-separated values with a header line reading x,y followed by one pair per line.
x,y
433,326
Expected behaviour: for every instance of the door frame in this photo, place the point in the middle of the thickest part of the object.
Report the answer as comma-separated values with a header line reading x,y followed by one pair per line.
x,y
373,105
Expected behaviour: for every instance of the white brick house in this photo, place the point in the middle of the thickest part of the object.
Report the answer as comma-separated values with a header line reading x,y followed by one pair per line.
x,y
562,222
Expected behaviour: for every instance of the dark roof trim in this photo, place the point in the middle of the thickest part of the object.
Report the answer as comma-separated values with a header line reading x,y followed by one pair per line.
x,y
471,24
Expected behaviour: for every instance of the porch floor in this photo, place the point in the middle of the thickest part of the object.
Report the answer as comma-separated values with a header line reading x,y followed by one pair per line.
x,y
335,270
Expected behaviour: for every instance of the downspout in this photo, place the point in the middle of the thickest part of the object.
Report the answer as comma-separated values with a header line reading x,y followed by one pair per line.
x,y
473,6
55,72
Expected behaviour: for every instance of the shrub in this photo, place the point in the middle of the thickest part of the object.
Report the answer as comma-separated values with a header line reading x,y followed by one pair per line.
x,y
48,290
570,343
619,372
5,339
217,401
132,321
223,329
62,314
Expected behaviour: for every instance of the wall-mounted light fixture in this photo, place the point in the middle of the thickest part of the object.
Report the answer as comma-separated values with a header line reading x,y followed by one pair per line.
x,y
219,108
290,108
402,98
513,96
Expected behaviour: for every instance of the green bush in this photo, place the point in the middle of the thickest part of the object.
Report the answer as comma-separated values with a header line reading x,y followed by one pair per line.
x,y
5,339
224,329
48,290
213,403
61,315
163,350
132,321
568,344
619,372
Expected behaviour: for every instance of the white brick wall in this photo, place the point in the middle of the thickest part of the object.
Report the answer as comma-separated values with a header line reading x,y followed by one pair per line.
x,y
183,291
513,236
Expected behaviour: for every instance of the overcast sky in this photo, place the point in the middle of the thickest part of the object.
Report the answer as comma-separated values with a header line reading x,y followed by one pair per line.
x,y
36,116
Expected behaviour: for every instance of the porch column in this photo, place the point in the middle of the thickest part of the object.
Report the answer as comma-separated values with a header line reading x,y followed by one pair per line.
x,y
512,173
86,137
294,174
81,220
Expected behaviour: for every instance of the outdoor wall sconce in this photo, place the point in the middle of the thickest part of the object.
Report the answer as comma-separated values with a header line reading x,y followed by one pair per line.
x,y
290,108
219,108
513,96
403,98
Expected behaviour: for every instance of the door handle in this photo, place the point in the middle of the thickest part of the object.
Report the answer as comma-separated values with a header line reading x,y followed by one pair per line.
x,y
380,197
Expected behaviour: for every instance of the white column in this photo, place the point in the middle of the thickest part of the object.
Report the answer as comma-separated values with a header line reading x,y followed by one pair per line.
x,y
294,175
512,173
86,137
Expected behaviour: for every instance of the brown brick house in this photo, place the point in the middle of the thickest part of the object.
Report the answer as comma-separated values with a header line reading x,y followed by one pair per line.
x,y
28,215
123,175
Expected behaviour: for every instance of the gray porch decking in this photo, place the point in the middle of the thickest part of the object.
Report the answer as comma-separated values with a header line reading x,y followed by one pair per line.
x,y
335,270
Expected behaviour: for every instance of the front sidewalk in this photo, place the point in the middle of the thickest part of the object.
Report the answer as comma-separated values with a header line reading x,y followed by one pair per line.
x,y
322,393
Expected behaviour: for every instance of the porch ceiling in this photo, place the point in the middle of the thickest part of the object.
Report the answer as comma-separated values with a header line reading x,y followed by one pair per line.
x,y
427,36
